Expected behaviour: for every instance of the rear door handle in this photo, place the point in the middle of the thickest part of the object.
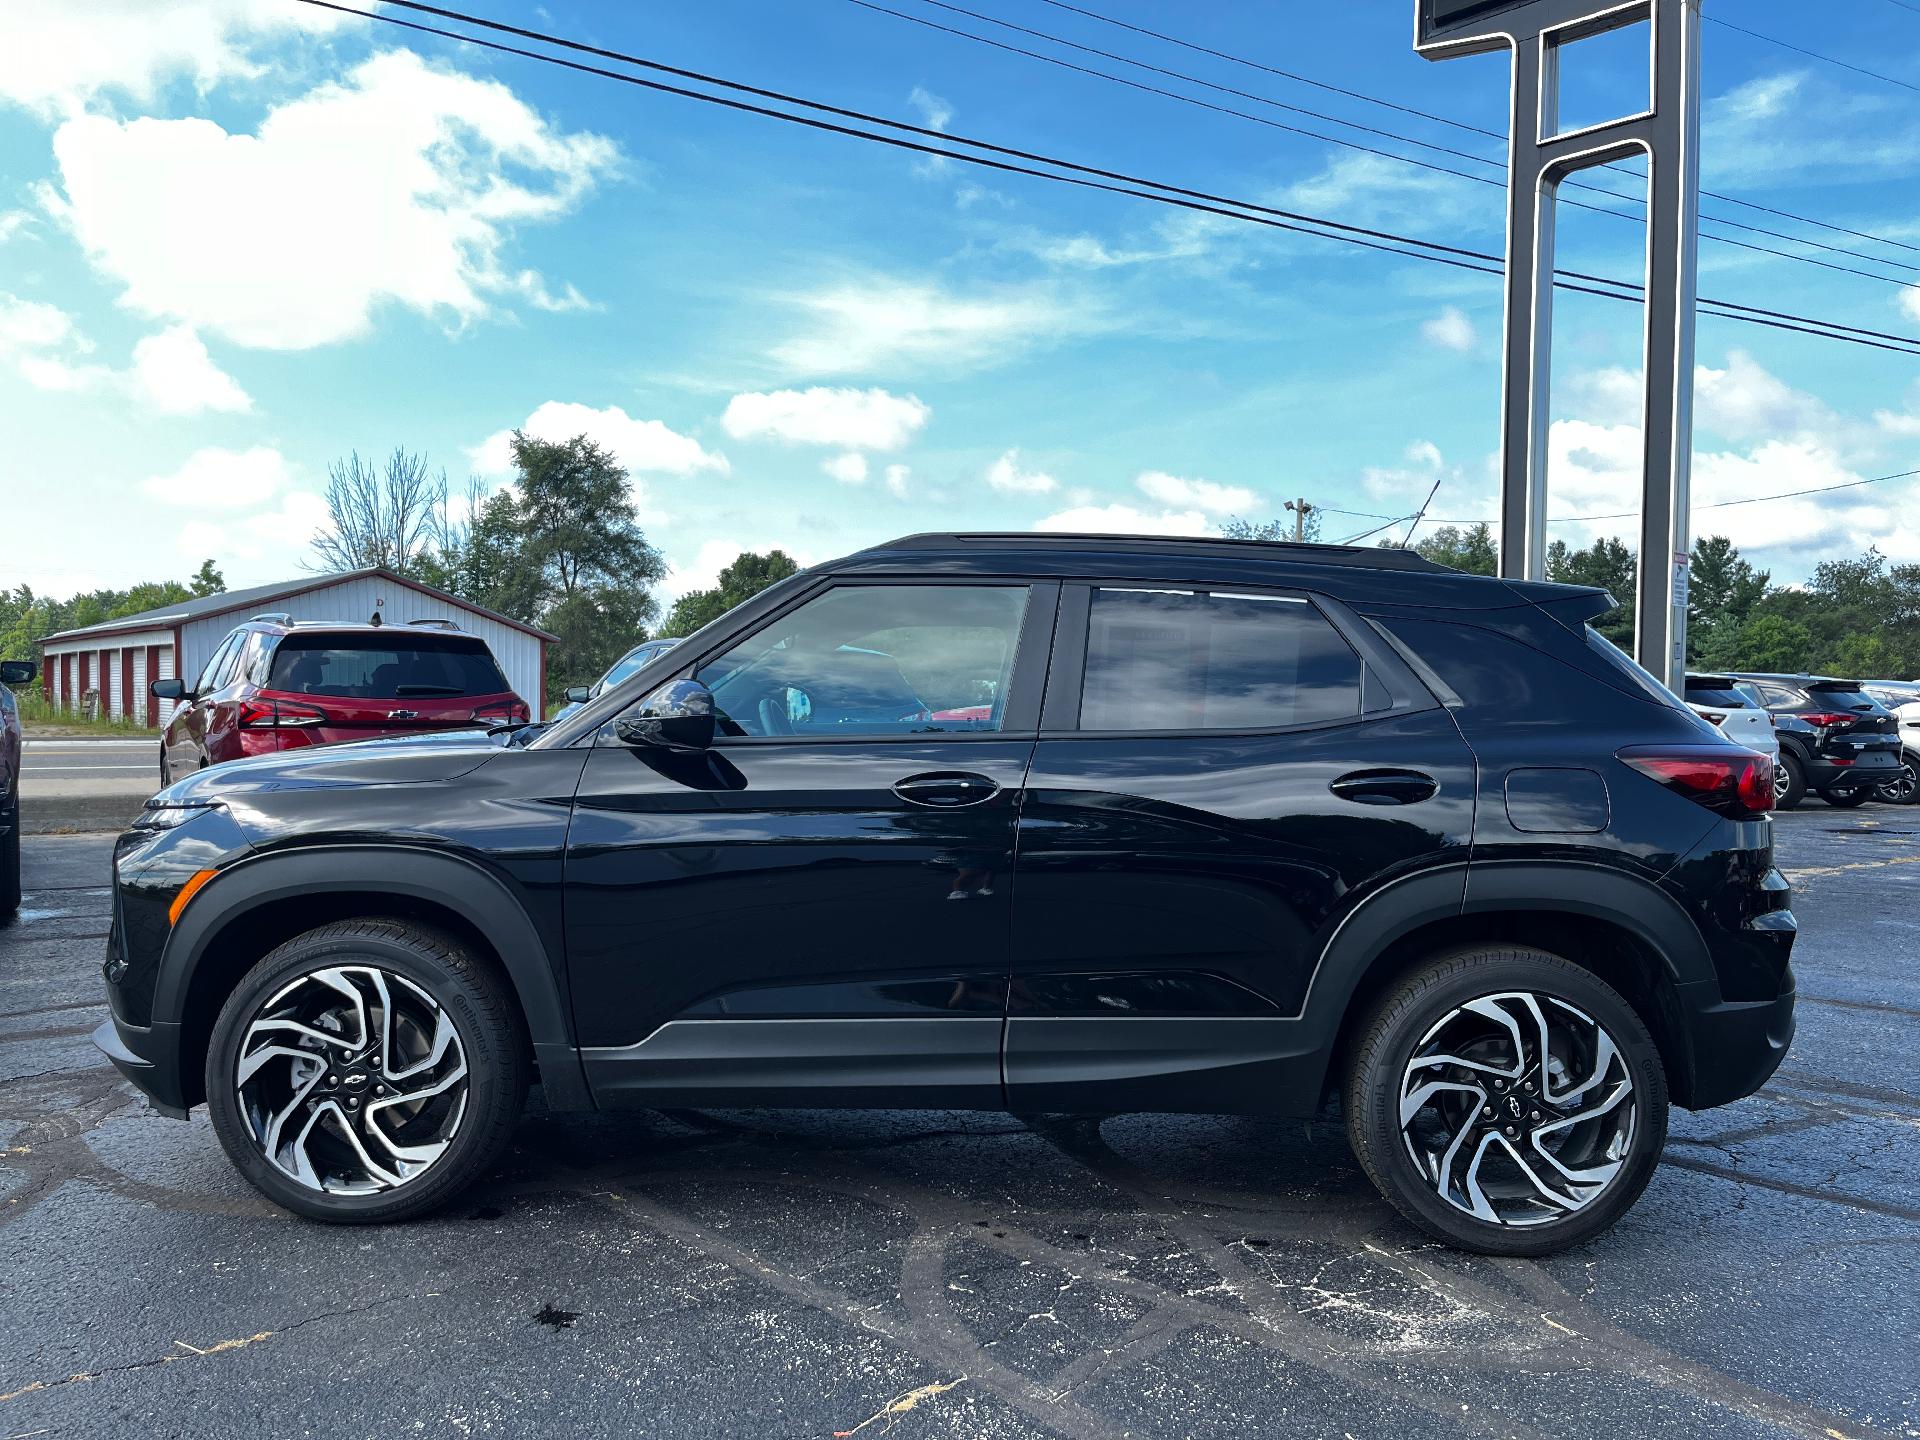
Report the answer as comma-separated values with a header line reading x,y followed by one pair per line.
x,y
946,790
1385,787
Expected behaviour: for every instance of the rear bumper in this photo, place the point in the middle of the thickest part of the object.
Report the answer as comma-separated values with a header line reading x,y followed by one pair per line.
x,y
1871,766
149,1057
1736,1044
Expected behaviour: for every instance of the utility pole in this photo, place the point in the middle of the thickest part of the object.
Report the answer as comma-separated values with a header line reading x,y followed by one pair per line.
x,y
1301,509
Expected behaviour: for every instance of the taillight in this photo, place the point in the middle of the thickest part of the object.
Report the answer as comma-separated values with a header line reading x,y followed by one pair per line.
x,y
278,715
505,713
1734,782
1826,718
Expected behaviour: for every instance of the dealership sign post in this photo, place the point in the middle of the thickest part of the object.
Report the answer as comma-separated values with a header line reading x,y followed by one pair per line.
x,y
1539,34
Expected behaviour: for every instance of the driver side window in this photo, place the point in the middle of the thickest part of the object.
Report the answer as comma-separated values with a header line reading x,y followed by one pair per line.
x,y
874,660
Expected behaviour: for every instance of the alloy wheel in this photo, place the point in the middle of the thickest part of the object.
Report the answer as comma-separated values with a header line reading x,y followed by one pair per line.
x,y
352,1079
1782,780
1518,1109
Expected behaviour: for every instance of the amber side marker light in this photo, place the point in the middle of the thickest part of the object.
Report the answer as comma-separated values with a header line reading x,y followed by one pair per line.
x,y
187,892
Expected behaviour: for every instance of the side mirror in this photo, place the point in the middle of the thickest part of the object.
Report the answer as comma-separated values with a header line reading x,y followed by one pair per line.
x,y
18,672
579,694
677,716
168,689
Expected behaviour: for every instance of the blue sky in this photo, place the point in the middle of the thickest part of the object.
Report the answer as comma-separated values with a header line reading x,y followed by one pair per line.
x,y
239,238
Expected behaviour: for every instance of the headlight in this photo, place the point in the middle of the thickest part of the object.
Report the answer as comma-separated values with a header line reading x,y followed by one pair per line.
x,y
165,815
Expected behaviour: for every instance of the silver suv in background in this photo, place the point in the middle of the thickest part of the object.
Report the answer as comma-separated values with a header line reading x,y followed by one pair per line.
x,y
1902,697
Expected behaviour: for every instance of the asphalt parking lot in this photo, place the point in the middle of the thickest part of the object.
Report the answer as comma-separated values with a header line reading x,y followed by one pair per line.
x,y
819,1274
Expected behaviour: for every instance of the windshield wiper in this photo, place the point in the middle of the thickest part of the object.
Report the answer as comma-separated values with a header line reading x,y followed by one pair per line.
x,y
400,690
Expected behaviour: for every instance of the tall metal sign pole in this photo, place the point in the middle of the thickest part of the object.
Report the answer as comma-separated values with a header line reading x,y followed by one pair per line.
x,y
1538,33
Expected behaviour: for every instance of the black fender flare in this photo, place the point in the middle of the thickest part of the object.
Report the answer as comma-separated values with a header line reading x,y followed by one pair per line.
x,y
401,871
1635,904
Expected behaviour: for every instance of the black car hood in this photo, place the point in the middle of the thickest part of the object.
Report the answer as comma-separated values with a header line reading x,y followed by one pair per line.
x,y
405,760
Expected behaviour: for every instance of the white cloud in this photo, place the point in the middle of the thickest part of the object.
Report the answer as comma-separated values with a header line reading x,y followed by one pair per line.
x,y
899,326
1425,452
897,481
393,186
43,345
273,540
935,113
220,479
1450,330
849,468
1199,494
643,446
60,54
173,374
1125,519
1008,477
13,222
847,418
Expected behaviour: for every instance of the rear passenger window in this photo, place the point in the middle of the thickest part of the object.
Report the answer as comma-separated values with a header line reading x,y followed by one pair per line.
x,y
1188,660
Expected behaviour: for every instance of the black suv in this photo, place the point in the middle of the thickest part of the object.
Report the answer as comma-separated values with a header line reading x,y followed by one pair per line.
x,y
1835,739
1042,823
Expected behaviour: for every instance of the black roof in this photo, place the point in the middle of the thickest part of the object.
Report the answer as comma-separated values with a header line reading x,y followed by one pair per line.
x,y
1197,546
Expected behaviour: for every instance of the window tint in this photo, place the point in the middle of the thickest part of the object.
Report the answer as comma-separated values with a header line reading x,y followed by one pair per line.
x,y
1629,667
1779,695
405,667
1182,660
635,659
1725,697
874,660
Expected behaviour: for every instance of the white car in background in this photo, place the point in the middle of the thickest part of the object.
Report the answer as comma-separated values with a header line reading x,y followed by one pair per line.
x,y
1902,697
1735,709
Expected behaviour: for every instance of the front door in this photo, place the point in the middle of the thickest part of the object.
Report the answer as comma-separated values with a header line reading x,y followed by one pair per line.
x,y
1220,779
816,909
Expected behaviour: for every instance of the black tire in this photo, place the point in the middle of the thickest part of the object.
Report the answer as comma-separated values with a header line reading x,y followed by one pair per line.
x,y
1847,797
10,860
1795,789
1383,1050
467,991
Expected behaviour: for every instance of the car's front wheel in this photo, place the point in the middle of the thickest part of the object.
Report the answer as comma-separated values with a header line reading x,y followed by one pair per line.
x,y
366,1071
1506,1101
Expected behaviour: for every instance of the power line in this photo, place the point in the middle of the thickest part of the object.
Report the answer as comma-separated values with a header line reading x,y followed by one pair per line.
x,y
1394,135
1716,505
1448,120
1114,182
1812,54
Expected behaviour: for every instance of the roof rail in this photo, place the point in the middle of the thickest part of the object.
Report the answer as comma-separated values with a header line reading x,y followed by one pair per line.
x,y
1361,556
438,622
278,617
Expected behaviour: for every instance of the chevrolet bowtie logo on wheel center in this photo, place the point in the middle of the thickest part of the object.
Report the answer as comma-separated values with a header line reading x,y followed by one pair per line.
x,y
1514,1107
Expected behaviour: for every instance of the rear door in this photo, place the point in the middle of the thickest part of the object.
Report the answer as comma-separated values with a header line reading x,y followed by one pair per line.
x,y
194,733
1220,779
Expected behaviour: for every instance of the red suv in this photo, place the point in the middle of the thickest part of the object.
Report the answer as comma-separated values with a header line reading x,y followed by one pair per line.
x,y
274,684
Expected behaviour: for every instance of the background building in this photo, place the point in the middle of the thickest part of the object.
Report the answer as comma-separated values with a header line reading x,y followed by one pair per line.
x,y
117,658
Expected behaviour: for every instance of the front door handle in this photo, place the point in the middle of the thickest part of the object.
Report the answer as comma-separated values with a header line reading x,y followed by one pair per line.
x,y
946,790
1385,787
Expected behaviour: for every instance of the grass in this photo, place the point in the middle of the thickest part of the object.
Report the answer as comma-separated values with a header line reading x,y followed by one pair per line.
x,y
39,717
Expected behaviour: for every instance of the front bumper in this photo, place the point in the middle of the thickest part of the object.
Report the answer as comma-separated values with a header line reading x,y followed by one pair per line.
x,y
149,1056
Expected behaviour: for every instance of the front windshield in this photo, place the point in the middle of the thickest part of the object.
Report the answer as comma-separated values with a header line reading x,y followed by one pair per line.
x,y
634,660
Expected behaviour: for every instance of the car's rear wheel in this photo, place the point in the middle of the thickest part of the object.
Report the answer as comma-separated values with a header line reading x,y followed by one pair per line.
x,y
10,858
1506,1101
1903,788
366,1071
1789,782
1846,797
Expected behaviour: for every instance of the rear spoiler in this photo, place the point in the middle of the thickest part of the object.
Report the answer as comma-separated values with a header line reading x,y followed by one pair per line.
x,y
1572,605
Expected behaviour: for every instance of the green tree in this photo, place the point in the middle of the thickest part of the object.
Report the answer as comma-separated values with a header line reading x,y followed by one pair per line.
x,y
1722,590
1772,642
1280,530
206,581
1470,548
563,549
1608,564
746,577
